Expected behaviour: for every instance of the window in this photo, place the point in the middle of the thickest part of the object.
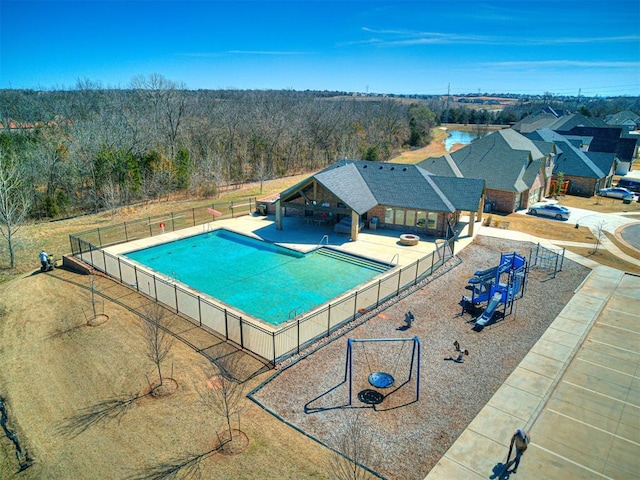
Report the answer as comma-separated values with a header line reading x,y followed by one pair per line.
x,y
411,218
388,216
421,219
399,217
432,220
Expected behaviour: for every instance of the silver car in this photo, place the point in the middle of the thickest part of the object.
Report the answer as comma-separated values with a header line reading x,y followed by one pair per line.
x,y
616,192
552,210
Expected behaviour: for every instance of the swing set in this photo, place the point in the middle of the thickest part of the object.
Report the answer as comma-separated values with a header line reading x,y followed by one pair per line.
x,y
406,361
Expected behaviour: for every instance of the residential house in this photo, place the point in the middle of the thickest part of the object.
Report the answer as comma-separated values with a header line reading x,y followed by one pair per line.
x,y
402,197
593,134
587,172
516,169
616,140
556,123
627,119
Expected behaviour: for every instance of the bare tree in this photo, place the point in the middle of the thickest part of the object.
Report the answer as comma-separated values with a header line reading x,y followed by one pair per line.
x,y
158,339
15,201
224,395
598,232
355,447
110,196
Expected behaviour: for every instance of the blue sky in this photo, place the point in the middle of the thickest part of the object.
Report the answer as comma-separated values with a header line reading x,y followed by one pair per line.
x,y
566,47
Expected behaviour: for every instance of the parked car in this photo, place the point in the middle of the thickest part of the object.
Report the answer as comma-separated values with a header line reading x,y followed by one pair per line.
x,y
553,210
632,184
616,192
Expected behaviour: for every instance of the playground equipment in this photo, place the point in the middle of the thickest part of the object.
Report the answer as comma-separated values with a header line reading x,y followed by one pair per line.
x,y
461,351
380,379
499,285
550,260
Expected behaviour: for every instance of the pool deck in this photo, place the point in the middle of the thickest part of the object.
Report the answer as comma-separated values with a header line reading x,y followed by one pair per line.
x,y
380,245
577,391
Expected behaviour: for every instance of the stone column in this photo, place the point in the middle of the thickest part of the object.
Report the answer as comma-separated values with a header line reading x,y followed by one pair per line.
x,y
355,219
278,215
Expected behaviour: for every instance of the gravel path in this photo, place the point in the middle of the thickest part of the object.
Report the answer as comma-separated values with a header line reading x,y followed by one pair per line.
x,y
408,437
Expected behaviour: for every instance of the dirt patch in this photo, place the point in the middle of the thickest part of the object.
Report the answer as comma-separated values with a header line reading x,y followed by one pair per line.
x,y
407,436
97,320
234,446
169,387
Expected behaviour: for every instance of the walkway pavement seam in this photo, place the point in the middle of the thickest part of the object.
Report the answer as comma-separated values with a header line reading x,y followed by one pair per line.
x,y
590,324
572,462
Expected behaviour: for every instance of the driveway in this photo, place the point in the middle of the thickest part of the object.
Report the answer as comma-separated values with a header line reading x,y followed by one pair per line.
x,y
587,218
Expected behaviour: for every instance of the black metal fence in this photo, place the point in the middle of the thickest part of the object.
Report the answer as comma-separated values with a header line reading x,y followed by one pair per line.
x,y
273,344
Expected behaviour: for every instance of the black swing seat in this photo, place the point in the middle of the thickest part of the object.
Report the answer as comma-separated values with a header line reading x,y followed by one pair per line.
x,y
381,380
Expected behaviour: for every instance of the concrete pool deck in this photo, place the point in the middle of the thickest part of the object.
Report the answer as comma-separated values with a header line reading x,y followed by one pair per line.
x,y
380,245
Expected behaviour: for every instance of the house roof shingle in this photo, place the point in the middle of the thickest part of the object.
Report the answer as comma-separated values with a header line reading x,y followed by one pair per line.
x,y
505,159
570,160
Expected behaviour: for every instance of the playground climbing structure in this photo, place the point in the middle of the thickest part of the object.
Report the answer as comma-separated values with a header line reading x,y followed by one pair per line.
x,y
498,286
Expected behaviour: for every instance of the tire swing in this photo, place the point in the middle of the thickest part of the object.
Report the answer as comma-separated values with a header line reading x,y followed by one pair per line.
x,y
382,379
378,379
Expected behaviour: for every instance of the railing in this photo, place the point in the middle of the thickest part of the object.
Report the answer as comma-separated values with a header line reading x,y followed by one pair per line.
x,y
397,255
159,224
274,346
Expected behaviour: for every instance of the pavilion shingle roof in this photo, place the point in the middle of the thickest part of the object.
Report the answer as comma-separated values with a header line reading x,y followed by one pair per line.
x,y
361,185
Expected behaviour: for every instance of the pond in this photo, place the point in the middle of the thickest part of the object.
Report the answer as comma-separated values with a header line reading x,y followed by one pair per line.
x,y
458,136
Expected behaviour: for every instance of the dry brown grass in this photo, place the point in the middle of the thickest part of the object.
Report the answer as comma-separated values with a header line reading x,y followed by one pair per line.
x,y
76,394
600,204
541,228
567,233
604,257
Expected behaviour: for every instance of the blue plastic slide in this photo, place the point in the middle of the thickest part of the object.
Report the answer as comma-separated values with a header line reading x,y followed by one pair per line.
x,y
490,310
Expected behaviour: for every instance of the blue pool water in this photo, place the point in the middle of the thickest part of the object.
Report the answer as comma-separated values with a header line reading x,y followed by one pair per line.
x,y
264,280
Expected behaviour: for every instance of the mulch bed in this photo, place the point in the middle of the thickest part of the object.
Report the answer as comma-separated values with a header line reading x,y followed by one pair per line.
x,y
407,437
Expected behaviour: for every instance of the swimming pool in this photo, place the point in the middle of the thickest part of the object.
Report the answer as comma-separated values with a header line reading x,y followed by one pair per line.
x,y
266,281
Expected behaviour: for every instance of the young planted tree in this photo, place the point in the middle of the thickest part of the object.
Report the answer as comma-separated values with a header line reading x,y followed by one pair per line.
x,y
224,396
355,451
598,233
15,201
158,339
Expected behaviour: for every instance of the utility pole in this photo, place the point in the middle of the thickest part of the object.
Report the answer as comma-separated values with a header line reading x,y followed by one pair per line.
x,y
446,105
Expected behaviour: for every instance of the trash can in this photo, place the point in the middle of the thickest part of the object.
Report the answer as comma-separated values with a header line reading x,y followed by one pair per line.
x,y
373,224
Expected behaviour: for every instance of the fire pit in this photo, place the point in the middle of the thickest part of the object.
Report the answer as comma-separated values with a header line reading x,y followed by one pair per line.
x,y
409,239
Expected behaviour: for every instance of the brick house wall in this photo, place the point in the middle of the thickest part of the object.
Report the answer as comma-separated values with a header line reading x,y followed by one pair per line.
x,y
583,186
504,201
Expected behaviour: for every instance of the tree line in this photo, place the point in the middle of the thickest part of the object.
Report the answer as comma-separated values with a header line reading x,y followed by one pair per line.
x,y
90,148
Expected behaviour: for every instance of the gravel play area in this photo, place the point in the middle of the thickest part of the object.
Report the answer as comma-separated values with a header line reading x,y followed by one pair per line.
x,y
406,435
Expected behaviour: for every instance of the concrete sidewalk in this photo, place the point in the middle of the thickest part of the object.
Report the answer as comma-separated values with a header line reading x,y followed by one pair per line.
x,y
577,392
